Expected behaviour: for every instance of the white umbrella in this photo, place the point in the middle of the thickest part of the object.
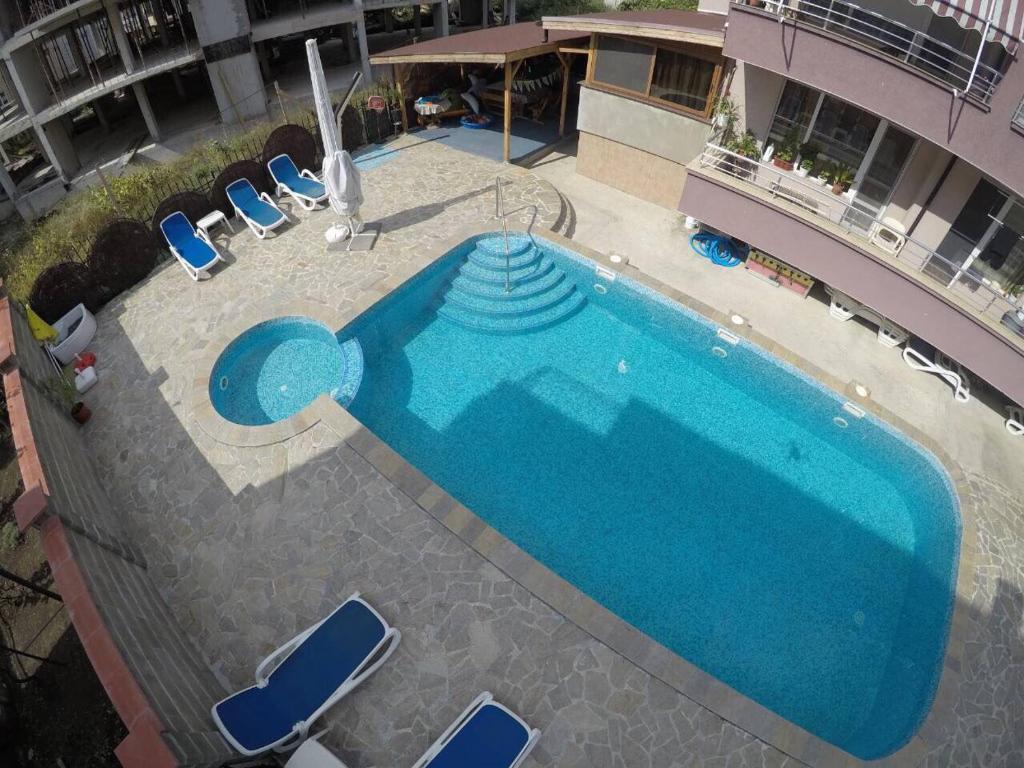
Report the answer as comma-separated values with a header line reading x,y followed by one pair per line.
x,y
341,177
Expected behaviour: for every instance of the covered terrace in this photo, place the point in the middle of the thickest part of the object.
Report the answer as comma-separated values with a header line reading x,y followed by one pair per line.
x,y
519,100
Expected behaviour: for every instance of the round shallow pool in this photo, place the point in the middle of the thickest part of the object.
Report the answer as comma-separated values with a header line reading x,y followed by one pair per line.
x,y
275,369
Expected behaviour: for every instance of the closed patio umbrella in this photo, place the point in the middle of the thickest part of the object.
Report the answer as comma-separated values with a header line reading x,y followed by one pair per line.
x,y
341,177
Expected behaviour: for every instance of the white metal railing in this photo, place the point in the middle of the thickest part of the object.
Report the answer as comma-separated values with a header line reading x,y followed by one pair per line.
x,y
915,48
1018,116
499,211
817,201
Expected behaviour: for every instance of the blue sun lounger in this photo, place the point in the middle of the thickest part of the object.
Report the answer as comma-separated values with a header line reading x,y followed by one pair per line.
x,y
310,673
303,186
193,250
485,735
257,209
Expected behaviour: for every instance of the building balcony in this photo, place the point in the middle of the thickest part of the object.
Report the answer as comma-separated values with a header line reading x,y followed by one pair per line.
x,y
827,236
941,92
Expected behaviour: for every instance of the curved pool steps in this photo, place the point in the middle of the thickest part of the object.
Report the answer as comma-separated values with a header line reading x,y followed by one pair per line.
x,y
541,293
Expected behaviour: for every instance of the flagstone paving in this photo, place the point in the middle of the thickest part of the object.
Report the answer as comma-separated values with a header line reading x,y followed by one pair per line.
x,y
250,545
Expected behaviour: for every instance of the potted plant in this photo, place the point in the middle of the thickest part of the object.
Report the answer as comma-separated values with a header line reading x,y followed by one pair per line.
x,y
746,147
785,152
806,166
63,393
820,173
840,177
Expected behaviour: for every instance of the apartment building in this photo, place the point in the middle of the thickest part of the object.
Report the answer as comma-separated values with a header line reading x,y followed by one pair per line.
x,y
877,146
159,58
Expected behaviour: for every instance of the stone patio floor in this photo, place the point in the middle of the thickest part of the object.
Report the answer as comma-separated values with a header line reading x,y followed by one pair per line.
x,y
249,545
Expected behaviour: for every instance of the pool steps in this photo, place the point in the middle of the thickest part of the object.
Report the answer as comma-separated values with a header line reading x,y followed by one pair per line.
x,y
541,295
352,353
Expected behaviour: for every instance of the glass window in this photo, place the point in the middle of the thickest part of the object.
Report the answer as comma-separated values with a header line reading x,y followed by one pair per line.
x,y
843,132
1002,260
682,79
886,166
796,108
623,63
968,229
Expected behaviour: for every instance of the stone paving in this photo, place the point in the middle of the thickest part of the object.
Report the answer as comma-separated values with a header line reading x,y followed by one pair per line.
x,y
249,545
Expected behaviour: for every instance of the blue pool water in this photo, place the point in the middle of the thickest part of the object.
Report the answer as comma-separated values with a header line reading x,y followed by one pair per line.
x,y
727,506
277,368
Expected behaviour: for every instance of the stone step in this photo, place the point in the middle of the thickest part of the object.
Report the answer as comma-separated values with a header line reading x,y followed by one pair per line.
x,y
517,275
514,323
537,281
523,305
494,245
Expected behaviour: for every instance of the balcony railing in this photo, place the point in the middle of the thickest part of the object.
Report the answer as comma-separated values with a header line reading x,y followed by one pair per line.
x,y
817,201
30,11
896,40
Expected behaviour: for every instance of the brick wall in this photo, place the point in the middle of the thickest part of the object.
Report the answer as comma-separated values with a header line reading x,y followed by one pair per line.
x,y
156,680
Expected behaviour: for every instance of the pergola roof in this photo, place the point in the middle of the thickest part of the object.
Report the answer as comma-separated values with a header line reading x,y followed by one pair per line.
x,y
664,24
493,45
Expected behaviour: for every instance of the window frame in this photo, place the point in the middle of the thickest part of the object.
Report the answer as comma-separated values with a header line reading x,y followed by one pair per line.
x,y
687,49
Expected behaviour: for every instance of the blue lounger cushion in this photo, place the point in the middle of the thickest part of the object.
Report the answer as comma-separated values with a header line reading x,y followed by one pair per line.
x,y
243,196
257,718
285,172
491,738
179,233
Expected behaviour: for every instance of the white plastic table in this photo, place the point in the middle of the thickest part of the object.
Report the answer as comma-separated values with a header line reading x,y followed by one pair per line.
x,y
211,219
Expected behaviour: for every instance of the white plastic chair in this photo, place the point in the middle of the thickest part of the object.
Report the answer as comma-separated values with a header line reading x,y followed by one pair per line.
x,y
922,356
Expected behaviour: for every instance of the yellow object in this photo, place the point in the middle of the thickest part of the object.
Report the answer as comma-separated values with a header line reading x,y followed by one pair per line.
x,y
42,331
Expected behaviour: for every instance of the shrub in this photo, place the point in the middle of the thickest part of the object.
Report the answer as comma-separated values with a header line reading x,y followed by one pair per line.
x,y
10,537
70,229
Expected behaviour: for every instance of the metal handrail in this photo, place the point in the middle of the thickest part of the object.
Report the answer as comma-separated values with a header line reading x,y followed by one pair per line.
x,y
817,201
499,211
893,38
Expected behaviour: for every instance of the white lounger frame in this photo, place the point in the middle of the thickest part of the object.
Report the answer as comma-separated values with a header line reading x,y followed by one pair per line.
x,y
257,229
305,201
385,647
460,723
193,272
1015,420
842,307
958,379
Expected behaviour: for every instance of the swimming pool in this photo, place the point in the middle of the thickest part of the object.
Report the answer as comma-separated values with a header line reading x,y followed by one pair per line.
x,y
720,501
278,367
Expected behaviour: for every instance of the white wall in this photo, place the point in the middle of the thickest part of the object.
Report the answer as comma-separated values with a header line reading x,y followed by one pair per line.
x,y
756,93
642,126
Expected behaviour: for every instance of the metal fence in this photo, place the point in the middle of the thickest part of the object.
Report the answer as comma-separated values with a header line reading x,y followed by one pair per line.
x,y
910,46
817,201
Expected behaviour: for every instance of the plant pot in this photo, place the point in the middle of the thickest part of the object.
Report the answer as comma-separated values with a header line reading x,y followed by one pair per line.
x,y
802,172
837,189
786,165
756,3
80,412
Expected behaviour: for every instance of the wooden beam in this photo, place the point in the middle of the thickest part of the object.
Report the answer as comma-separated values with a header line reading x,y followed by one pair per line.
x,y
564,58
398,72
507,117
569,49
510,72
651,31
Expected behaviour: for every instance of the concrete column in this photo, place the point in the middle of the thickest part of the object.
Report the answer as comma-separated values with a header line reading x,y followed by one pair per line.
x,y
56,144
417,24
77,54
510,7
124,48
264,59
485,12
364,50
4,157
440,12
348,34
29,80
389,20
7,182
101,114
142,98
223,29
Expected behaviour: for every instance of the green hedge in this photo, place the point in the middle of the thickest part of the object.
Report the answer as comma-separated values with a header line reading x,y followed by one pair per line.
x,y
72,226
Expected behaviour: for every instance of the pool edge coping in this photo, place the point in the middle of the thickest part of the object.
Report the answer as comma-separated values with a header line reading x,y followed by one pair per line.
x,y
560,595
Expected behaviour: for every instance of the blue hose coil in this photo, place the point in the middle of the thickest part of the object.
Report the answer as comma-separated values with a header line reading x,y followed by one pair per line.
x,y
720,250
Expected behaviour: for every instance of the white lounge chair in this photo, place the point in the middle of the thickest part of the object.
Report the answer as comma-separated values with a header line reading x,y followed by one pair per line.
x,y
193,249
485,735
310,673
74,332
922,356
305,188
257,209
1015,420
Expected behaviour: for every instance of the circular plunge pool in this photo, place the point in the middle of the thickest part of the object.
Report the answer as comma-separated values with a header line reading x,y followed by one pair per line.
x,y
277,368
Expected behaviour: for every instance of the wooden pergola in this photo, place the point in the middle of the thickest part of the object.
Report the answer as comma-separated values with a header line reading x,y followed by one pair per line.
x,y
507,47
